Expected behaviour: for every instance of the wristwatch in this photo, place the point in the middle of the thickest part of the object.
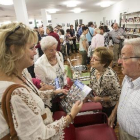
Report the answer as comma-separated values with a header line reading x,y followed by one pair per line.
x,y
102,99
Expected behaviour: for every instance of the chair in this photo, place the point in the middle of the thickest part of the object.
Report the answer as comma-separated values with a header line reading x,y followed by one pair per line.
x,y
100,131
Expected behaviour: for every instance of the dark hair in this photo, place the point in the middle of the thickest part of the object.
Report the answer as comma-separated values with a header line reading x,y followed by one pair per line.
x,y
35,27
71,25
62,31
112,25
68,30
84,28
102,28
106,29
105,55
90,23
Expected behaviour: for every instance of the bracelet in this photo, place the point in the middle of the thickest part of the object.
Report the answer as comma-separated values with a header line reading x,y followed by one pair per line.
x,y
71,118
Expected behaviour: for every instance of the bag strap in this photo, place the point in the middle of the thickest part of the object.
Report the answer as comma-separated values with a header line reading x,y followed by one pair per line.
x,y
7,110
90,32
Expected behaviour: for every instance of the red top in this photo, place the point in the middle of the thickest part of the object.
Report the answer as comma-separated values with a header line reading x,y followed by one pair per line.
x,y
56,36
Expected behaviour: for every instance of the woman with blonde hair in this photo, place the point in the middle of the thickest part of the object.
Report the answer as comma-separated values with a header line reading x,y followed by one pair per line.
x,y
17,52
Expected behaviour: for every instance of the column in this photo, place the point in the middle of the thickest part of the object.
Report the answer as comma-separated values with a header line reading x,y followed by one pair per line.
x,y
21,11
44,19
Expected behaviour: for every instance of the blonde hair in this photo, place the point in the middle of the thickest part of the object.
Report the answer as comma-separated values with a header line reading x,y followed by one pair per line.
x,y
18,35
97,30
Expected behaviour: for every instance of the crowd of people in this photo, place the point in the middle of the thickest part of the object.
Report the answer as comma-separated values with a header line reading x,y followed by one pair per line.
x,y
97,46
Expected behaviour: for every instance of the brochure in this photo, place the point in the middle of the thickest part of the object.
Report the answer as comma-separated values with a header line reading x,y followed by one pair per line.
x,y
78,91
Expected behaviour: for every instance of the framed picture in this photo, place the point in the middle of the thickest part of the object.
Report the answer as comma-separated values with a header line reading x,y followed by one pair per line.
x,y
80,21
63,24
68,24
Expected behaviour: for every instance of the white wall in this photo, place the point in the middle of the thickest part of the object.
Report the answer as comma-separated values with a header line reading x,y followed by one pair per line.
x,y
110,13
113,12
70,18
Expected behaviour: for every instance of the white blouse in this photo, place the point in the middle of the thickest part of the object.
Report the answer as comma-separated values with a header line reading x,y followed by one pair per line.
x,y
46,72
27,108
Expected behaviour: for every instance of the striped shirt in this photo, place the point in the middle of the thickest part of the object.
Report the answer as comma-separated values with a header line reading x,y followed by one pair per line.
x,y
115,34
128,112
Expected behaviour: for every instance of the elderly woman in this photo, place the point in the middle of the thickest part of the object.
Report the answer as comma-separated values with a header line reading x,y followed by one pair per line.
x,y
50,65
104,80
97,40
17,51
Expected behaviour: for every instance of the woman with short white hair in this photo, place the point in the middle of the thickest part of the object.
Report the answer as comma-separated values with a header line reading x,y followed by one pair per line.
x,y
50,65
97,40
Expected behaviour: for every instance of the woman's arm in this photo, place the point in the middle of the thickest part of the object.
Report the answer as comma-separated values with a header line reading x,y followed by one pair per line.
x,y
28,121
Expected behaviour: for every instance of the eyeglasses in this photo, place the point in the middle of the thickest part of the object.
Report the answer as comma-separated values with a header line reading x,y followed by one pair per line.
x,y
95,59
125,58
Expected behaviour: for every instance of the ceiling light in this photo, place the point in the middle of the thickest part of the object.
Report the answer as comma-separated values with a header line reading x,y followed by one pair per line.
x,y
71,3
105,3
52,10
6,2
77,10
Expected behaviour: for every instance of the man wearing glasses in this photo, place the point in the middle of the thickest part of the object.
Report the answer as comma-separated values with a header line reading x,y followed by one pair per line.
x,y
128,109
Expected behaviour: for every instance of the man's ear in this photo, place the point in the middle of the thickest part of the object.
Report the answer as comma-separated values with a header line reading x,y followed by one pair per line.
x,y
12,49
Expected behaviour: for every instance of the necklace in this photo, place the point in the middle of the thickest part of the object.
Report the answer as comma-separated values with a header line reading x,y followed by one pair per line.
x,y
29,84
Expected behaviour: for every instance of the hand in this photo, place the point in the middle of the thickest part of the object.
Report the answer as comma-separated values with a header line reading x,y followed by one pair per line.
x,y
111,119
95,99
46,87
76,108
60,91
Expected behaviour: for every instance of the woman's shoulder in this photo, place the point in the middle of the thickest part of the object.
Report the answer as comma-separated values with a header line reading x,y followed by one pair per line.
x,y
110,72
41,60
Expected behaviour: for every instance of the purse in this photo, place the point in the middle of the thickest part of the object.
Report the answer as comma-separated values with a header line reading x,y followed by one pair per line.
x,y
7,112
70,42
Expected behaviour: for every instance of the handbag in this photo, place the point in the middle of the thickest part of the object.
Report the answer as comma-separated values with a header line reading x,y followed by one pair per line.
x,y
7,112
70,42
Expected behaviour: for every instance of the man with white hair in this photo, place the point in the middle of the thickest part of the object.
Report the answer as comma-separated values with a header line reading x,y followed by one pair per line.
x,y
128,112
117,35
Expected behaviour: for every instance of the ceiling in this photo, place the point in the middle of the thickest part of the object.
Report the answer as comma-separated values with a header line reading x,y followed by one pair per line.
x,y
34,7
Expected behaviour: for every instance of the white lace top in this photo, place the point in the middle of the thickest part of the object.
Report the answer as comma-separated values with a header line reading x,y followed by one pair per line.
x,y
27,108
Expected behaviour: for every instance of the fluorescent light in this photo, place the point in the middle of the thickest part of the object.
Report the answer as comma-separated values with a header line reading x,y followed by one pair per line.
x,y
52,10
77,10
105,3
6,2
71,3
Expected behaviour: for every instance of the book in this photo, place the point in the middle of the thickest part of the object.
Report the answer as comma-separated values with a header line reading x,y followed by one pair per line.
x,y
78,91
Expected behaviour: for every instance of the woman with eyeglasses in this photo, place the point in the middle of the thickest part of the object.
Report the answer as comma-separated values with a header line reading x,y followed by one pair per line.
x,y
104,80
31,119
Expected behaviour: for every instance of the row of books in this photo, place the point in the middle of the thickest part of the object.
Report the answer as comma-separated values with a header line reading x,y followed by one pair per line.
x,y
131,20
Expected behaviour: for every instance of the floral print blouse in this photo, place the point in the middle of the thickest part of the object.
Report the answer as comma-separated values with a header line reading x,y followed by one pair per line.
x,y
106,85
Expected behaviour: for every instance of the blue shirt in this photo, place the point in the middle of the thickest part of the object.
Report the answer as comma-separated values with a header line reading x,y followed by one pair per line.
x,y
88,36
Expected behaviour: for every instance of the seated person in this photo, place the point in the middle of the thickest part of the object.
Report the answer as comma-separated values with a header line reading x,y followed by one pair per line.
x,y
17,49
50,65
104,80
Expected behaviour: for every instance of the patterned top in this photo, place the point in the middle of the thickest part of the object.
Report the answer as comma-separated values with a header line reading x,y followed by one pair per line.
x,y
128,112
27,108
106,85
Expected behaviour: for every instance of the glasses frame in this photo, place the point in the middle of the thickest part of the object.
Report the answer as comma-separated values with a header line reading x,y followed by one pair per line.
x,y
128,57
95,59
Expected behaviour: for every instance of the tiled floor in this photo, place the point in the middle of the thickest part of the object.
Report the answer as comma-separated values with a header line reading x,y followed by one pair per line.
x,y
76,60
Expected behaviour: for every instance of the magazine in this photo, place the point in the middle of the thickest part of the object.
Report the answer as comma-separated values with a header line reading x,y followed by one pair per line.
x,y
78,91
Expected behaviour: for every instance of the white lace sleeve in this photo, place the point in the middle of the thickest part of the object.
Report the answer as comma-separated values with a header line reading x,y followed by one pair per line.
x,y
27,118
46,96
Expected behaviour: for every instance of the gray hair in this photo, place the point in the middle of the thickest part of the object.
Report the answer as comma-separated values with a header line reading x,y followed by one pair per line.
x,y
135,43
97,30
47,42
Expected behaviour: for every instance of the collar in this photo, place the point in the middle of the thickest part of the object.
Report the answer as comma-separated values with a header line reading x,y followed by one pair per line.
x,y
134,83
